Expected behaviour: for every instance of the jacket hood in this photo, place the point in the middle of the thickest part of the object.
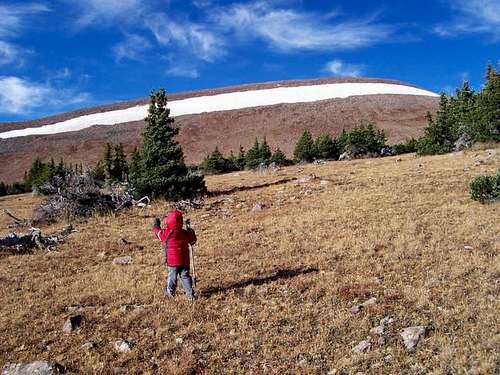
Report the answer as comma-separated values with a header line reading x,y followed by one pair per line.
x,y
174,220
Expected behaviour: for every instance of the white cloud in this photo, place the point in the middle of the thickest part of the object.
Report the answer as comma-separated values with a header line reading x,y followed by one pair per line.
x,y
103,13
190,37
21,96
183,71
472,16
339,68
132,48
14,18
290,30
11,53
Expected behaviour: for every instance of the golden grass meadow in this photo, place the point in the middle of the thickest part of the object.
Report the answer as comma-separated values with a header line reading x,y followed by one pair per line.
x,y
276,287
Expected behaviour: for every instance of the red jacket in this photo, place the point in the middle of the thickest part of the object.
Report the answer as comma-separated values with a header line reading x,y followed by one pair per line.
x,y
176,239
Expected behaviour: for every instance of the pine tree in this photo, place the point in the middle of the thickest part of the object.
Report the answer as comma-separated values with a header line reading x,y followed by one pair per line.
x,y
108,162
264,151
214,162
325,147
252,159
161,170
278,158
240,159
120,165
487,126
304,149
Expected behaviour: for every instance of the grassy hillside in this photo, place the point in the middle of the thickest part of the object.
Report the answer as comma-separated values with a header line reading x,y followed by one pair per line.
x,y
276,287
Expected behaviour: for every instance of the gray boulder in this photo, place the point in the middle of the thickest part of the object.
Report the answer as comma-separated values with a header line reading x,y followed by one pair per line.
x,y
72,323
122,346
362,346
123,260
37,367
412,335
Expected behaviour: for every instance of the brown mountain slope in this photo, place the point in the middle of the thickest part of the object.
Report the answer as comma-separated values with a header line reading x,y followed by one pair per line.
x,y
400,116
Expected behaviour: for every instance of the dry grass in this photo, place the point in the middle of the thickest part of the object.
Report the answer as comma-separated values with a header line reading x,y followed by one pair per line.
x,y
276,286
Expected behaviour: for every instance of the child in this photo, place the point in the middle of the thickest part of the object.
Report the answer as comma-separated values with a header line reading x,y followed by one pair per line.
x,y
176,242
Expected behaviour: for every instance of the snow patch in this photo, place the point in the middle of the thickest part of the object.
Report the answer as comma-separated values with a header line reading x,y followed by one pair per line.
x,y
226,102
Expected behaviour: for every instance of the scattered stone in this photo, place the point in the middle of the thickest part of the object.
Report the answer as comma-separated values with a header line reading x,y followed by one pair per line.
x,y
468,248
79,308
122,346
324,182
123,260
72,323
362,346
463,142
379,330
258,207
388,358
360,306
307,178
129,307
88,345
120,370
123,242
412,335
179,340
386,320
381,341
102,254
37,367
345,156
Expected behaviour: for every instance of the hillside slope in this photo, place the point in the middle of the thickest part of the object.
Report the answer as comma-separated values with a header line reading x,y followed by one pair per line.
x,y
400,115
276,287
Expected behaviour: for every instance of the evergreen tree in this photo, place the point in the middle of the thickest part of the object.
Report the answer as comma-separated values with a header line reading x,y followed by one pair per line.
x,y
325,147
240,159
264,151
279,158
215,162
99,173
161,170
304,149
487,126
120,165
108,162
252,159
3,189
364,139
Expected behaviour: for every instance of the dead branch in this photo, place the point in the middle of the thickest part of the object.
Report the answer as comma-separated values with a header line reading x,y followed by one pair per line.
x,y
17,221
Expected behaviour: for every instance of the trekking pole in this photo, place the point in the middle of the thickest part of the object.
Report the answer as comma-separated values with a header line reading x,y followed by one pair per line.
x,y
191,255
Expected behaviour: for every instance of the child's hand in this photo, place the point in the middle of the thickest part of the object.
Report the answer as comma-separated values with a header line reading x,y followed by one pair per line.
x,y
156,222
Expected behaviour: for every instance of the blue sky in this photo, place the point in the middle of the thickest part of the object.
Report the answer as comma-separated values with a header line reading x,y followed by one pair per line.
x,y
64,54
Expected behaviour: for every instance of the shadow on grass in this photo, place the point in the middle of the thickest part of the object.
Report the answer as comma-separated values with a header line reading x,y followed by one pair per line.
x,y
235,189
279,275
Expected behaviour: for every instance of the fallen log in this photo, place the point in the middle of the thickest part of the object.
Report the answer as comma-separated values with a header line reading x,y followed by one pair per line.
x,y
17,221
34,239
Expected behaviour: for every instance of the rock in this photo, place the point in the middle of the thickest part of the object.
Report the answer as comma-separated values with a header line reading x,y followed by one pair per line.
x,y
345,156
386,151
102,254
123,242
379,330
388,358
381,340
179,340
88,345
37,367
307,178
122,346
362,346
123,260
258,207
386,320
412,335
72,323
462,143
127,307
468,248
120,370
357,308
324,182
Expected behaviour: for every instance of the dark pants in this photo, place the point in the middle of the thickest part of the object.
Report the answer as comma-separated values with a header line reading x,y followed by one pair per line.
x,y
186,281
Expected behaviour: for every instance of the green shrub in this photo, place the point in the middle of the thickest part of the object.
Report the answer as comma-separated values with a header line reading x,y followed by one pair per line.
x,y
363,140
410,145
304,148
485,188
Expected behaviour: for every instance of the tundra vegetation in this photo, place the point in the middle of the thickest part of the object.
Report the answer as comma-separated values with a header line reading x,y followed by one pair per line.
x,y
324,278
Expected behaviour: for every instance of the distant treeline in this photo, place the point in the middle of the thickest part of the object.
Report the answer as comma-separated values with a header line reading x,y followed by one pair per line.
x,y
462,119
